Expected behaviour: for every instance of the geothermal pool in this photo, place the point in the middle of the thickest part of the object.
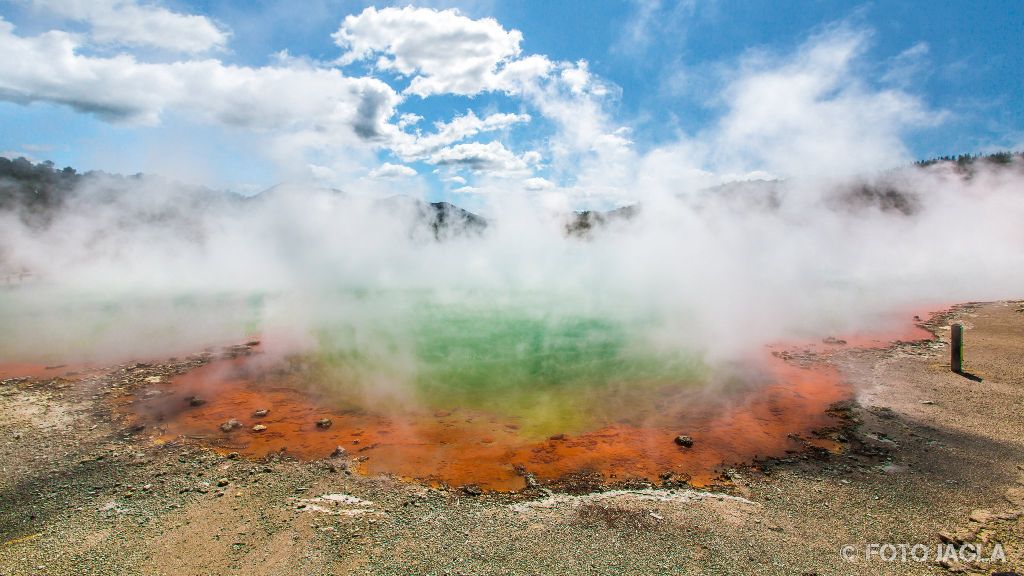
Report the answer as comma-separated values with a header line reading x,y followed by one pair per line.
x,y
492,389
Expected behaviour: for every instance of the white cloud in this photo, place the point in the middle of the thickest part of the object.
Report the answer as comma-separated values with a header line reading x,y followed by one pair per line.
x,y
321,172
536,184
492,157
466,190
651,19
49,68
409,119
908,66
811,114
418,147
388,170
443,51
130,23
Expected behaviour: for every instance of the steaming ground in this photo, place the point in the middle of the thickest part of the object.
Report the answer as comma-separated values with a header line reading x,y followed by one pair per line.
x,y
928,455
391,306
119,269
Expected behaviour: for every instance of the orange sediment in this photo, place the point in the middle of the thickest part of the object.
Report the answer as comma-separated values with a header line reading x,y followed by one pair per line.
x,y
10,370
461,446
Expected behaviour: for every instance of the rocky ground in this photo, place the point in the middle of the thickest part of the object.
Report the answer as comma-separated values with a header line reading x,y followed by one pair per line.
x,y
929,457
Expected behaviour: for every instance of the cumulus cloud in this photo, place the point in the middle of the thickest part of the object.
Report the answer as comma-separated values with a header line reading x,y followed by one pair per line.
x,y
491,157
418,147
409,119
388,170
49,67
443,51
805,113
536,184
130,23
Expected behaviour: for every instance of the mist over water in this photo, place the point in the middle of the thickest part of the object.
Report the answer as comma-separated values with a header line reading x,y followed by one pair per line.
x,y
519,318
150,271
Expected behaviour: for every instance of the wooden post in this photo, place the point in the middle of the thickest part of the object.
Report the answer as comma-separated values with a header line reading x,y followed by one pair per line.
x,y
956,349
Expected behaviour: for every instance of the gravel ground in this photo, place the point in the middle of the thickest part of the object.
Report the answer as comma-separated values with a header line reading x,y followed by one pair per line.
x,y
928,456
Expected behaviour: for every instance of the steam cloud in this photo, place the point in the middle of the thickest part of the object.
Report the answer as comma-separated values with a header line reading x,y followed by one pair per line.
x,y
719,257
145,268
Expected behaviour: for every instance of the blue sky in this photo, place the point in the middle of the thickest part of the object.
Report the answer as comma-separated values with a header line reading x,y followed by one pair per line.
x,y
608,97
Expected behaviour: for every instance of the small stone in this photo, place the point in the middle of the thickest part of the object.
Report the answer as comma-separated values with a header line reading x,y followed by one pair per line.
x,y
147,487
230,425
261,413
981,516
154,379
1015,496
233,456
927,402
956,538
684,441
952,566
195,401
338,452
222,482
259,428
324,423
472,490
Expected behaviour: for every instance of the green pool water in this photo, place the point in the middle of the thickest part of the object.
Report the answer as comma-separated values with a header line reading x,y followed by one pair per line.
x,y
553,363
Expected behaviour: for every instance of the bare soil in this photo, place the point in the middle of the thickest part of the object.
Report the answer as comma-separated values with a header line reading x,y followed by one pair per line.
x,y
927,456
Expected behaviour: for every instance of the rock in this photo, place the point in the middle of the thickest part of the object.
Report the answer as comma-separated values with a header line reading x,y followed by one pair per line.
x,y
232,456
1015,496
324,423
154,379
834,341
952,566
195,401
339,452
261,413
472,490
230,425
259,428
222,482
981,516
684,441
927,402
957,538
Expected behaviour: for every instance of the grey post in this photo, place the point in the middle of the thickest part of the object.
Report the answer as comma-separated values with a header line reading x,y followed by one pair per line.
x,y
956,350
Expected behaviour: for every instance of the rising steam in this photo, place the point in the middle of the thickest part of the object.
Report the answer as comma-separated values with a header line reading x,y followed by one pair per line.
x,y
144,268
